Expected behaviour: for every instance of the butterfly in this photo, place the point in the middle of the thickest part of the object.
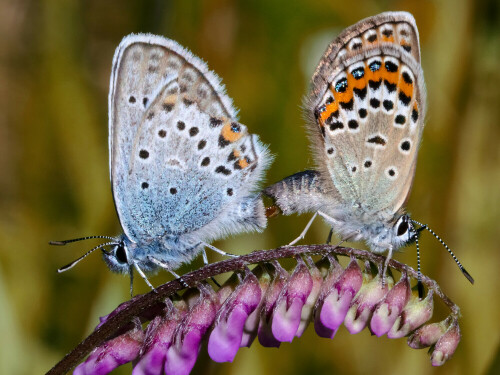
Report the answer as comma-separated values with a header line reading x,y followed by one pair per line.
x,y
183,170
365,116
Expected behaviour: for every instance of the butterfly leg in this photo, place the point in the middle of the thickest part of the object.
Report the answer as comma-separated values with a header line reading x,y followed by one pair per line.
x,y
205,261
306,229
386,264
143,275
221,252
167,268
329,238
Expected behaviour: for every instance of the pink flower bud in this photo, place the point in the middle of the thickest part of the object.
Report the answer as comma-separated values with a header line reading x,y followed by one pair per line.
x,y
427,335
446,345
264,333
252,323
225,338
182,353
370,294
307,310
288,308
113,353
388,310
159,335
337,302
417,312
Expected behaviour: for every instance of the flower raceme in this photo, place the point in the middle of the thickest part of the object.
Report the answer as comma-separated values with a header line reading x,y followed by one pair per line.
x,y
273,306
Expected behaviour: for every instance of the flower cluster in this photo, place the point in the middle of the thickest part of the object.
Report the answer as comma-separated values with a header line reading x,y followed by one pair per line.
x,y
274,306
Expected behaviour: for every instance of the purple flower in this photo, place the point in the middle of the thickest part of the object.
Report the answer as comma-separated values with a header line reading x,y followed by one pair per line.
x,y
336,301
417,312
182,353
252,323
288,309
371,293
225,338
113,353
308,308
264,333
446,345
159,335
388,310
427,335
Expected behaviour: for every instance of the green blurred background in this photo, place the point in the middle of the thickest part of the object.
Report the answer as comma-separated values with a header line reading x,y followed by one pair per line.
x,y
54,73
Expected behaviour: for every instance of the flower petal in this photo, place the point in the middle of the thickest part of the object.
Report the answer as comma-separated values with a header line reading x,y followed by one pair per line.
x,y
113,353
336,303
225,338
390,307
288,309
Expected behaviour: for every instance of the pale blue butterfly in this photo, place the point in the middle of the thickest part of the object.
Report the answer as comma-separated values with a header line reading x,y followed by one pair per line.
x,y
365,118
184,172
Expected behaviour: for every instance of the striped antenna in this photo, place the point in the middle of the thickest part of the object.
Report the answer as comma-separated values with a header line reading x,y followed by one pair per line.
x,y
464,271
73,263
62,243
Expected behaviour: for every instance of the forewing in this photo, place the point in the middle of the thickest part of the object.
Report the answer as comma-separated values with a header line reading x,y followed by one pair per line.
x,y
366,112
179,157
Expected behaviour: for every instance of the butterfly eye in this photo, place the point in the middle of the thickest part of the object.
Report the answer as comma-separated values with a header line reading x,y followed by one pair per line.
x,y
403,226
121,254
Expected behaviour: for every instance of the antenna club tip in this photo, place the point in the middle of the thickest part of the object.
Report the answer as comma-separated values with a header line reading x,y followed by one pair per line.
x,y
468,276
57,243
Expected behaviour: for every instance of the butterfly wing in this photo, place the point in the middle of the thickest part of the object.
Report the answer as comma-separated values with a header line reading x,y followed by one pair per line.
x,y
366,111
179,159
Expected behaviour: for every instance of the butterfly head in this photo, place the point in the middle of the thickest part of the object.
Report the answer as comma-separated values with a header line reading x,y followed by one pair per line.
x,y
403,231
118,258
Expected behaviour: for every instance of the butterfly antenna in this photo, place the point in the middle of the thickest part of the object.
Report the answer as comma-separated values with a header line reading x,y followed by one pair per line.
x,y
420,286
62,243
464,271
73,263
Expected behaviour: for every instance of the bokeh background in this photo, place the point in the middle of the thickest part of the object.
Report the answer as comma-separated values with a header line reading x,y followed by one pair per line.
x,y
55,60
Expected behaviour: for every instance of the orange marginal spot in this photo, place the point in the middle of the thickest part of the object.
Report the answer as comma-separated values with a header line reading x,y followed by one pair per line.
x,y
330,108
346,96
236,153
406,88
415,106
243,163
370,75
353,83
388,39
229,135
391,77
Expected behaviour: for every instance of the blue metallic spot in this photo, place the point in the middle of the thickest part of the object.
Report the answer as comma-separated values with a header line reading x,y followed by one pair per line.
x,y
341,85
374,66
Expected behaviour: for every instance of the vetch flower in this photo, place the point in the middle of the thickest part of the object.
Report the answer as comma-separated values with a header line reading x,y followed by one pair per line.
x,y
182,353
225,338
291,300
115,352
264,333
308,308
270,303
417,312
428,334
337,300
446,345
252,323
372,291
158,339
388,310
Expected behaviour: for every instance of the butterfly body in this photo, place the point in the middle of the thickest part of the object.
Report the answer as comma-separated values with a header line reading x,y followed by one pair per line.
x,y
183,170
365,117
